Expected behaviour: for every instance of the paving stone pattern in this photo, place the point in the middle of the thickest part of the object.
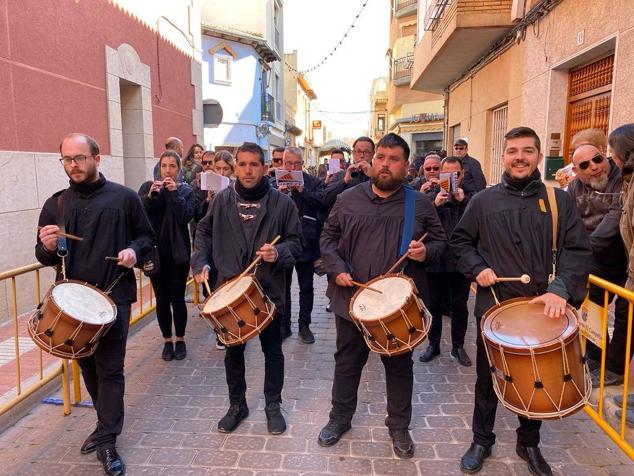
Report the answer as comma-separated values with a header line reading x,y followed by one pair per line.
x,y
172,409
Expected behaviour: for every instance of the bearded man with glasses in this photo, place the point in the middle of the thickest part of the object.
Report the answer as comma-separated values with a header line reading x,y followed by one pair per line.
x,y
597,192
358,172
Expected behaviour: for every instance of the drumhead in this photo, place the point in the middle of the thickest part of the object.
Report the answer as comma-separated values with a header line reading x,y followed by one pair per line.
x,y
370,305
226,294
83,303
520,324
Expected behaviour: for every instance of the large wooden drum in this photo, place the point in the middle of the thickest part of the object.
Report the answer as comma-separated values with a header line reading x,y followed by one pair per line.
x,y
394,321
536,361
238,310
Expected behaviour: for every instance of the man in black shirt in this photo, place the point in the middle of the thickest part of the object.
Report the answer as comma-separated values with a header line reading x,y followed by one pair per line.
x,y
473,180
374,209
110,219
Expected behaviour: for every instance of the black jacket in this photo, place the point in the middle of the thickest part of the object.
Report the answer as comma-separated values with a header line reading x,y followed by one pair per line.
x,y
601,215
220,240
337,185
473,180
509,231
311,206
170,213
362,236
450,214
109,217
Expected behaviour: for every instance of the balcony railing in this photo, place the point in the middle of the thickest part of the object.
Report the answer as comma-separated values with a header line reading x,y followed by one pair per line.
x,y
434,13
268,108
401,5
402,68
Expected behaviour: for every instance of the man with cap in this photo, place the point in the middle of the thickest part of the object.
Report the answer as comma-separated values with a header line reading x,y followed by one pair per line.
x,y
473,180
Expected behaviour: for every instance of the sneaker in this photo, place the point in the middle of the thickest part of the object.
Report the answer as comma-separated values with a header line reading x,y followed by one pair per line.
x,y
306,335
220,345
609,378
275,423
236,413
593,364
180,351
629,416
429,354
459,354
328,308
168,351
618,400
402,443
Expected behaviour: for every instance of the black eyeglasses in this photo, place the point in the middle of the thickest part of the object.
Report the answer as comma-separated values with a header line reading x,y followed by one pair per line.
x,y
597,159
429,169
79,159
207,162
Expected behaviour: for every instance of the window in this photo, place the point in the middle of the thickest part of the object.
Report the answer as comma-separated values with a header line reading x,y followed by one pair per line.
x,y
380,124
222,68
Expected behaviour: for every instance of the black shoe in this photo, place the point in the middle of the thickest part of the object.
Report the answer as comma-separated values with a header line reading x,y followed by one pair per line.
x,y
402,443
328,308
332,432
112,463
459,354
286,332
473,459
533,456
88,446
168,351
220,345
306,335
180,352
275,423
236,413
593,364
429,354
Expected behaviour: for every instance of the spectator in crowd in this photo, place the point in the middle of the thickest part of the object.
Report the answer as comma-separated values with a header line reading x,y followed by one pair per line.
x,y
309,200
176,145
473,179
446,283
336,154
277,156
358,172
597,192
170,205
192,164
429,175
594,137
621,147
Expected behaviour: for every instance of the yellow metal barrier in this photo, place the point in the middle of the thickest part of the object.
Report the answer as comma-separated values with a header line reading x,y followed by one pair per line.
x,y
598,415
63,370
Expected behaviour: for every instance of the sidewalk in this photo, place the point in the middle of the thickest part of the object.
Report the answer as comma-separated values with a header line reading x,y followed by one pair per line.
x,y
172,409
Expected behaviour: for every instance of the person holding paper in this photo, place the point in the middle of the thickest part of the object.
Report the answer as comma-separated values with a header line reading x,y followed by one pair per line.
x,y
358,172
309,200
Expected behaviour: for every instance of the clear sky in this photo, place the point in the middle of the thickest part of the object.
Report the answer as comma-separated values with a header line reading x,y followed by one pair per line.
x,y
343,83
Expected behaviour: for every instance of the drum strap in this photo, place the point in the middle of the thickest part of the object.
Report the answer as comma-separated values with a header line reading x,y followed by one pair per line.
x,y
408,223
554,215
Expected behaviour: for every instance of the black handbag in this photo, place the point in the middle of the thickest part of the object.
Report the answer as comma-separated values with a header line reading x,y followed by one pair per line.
x,y
151,262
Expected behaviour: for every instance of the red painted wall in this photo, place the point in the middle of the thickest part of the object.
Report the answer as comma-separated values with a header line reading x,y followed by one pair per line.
x,y
53,73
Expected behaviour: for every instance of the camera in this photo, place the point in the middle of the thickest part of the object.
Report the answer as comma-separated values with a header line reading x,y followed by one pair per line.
x,y
355,174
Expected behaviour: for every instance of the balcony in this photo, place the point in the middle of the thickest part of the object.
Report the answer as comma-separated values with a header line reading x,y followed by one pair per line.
x,y
456,34
268,108
402,70
403,8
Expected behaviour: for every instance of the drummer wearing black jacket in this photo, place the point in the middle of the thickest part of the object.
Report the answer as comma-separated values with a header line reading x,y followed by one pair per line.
x,y
110,219
506,230
360,241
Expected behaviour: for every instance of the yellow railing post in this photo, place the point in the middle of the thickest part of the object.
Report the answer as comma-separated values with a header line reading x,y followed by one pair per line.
x,y
76,382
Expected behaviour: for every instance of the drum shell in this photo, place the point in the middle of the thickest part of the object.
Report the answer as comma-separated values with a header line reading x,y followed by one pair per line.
x,y
543,362
84,343
374,333
256,322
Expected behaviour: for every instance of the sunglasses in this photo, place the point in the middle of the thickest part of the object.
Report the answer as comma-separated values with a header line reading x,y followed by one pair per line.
x,y
459,147
597,159
207,162
276,161
429,169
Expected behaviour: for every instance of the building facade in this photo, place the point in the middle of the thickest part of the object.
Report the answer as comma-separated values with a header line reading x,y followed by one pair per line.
x,y
416,115
125,72
557,66
378,109
243,82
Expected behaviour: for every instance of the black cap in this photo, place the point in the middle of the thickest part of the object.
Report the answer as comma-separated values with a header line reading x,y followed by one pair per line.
x,y
461,142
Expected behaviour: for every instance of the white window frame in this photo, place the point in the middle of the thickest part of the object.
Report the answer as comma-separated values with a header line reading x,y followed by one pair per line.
x,y
228,59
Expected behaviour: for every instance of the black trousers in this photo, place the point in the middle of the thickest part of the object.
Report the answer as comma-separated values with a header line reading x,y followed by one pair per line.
x,y
169,287
453,289
305,272
486,403
271,342
615,355
350,358
105,382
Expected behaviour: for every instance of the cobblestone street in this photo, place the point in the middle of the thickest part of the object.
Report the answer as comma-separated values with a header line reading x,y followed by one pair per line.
x,y
172,409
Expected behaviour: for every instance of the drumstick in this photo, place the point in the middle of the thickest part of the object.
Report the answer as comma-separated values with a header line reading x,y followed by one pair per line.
x,y
524,279
365,286
206,283
112,258
256,260
66,235
404,257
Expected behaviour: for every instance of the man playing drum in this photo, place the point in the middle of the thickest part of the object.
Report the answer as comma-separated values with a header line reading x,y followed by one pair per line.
x,y
360,241
111,221
238,227
506,230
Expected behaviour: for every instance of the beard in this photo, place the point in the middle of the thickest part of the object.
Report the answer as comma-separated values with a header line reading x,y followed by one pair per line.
x,y
84,176
387,184
599,184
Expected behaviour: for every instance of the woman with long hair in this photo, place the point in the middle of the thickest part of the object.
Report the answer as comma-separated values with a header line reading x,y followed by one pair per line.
x,y
170,206
192,163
